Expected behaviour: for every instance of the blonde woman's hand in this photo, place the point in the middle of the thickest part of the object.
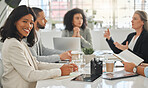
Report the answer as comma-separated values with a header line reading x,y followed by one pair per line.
x,y
107,34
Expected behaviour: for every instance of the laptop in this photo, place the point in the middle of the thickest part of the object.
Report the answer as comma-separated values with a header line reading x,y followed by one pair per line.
x,y
67,43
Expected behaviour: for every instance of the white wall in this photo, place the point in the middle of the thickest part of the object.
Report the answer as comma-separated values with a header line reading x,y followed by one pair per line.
x,y
47,37
99,42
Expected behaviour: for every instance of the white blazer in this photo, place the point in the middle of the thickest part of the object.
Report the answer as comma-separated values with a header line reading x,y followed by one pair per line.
x,y
21,69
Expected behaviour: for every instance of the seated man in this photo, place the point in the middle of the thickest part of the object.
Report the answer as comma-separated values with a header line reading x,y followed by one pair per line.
x,y
142,69
38,50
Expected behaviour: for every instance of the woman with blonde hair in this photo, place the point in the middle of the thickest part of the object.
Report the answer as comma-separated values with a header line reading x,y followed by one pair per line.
x,y
136,42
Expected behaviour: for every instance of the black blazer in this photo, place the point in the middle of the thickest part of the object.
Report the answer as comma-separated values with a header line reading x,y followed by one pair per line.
x,y
140,48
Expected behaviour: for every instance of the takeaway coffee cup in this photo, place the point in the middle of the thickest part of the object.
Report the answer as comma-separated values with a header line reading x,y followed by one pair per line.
x,y
110,65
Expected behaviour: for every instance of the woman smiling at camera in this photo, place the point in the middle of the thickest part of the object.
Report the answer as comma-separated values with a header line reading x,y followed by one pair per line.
x,y
21,69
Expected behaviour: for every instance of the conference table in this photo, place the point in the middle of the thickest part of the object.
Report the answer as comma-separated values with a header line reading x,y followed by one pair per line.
x,y
66,82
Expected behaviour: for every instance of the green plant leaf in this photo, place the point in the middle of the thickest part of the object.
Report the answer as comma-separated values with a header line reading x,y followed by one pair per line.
x,y
88,51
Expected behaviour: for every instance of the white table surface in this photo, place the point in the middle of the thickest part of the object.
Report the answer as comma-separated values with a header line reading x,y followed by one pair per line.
x,y
65,82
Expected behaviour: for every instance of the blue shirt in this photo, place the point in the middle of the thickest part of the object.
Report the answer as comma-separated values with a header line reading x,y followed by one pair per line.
x,y
146,71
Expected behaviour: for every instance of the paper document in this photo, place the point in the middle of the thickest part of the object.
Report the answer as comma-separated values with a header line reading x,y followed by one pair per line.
x,y
128,56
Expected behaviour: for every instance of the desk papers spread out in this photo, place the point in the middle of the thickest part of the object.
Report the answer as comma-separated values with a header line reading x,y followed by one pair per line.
x,y
128,56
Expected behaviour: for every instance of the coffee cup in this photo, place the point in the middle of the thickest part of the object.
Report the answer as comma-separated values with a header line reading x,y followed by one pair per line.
x,y
110,65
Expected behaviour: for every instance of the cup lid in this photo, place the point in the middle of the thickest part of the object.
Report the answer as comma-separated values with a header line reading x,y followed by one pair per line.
x,y
75,52
110,61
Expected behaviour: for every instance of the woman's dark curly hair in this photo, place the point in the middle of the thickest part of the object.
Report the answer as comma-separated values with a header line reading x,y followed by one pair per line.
x,y
9,30
68,19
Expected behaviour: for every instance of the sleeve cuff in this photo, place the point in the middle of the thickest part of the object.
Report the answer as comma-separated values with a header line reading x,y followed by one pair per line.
x,y
55,58
109,39
146,71
55,72
58,57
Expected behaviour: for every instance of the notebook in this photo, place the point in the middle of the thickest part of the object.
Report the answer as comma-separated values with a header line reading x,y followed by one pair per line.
x,y
118,75
67,43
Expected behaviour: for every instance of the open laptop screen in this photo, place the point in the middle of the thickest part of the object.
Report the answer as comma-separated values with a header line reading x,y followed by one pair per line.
x,y
67,43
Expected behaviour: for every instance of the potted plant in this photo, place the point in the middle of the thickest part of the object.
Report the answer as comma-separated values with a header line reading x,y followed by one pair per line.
x,y
88,54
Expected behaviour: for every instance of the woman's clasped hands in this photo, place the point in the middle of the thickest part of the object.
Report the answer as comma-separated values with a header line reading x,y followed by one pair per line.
x,y
66,69
76,31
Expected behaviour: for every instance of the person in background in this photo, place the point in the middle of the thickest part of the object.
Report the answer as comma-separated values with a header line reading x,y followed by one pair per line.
x,y
39,50
142,69
21,69
136,42
75,26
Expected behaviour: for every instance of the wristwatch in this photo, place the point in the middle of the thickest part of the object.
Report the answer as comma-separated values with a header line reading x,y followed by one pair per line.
x,y
135,69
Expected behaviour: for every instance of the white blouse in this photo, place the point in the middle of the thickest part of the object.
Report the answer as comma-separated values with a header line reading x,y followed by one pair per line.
x,y
132,43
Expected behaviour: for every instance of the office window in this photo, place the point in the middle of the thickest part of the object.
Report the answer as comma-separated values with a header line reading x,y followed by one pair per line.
x,y
102,14
123,14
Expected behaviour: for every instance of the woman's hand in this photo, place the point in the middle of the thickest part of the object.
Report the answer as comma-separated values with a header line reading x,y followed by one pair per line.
x,y
107,34
66,69
76,32
75,67
128,66
120,46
